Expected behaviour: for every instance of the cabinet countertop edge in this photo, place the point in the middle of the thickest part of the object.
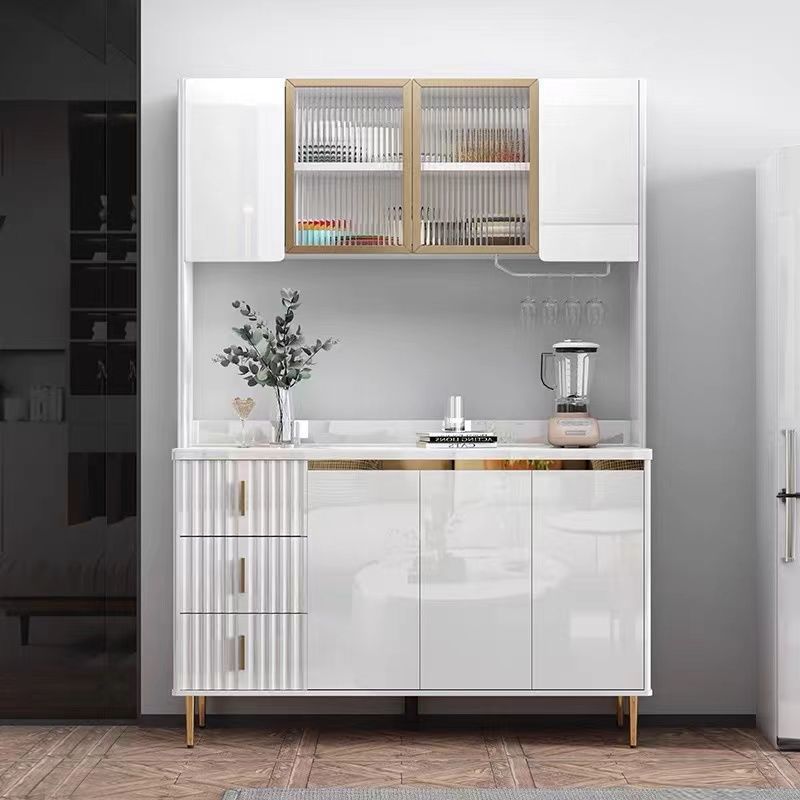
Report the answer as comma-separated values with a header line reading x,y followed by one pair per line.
x,y
332,452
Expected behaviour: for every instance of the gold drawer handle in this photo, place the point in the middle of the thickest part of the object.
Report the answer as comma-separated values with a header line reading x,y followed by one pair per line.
x,y
241,653
242,498
242,573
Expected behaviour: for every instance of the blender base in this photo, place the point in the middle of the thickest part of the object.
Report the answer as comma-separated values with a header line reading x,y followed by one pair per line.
x,y
573,430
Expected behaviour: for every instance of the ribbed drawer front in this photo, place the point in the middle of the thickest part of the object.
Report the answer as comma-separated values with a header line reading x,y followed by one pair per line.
x,y
241,574
240,498
240,652
205,498
276,498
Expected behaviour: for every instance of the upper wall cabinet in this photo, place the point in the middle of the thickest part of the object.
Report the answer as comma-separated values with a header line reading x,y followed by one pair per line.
x,y
348,166
318,166
475,166
589,170
232,169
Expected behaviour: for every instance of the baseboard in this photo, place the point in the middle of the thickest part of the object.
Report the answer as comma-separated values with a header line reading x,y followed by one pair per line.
x,y
452,720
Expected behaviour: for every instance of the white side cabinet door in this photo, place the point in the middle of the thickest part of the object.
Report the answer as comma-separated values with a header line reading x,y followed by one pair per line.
x,y
589,170
475,579
588,580
363,579
232,160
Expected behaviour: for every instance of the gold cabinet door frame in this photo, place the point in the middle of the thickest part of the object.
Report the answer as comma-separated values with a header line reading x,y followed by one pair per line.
x,y
533,174
408,157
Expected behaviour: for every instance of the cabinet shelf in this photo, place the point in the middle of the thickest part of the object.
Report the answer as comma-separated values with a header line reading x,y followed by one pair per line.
x,y
348,166
475,166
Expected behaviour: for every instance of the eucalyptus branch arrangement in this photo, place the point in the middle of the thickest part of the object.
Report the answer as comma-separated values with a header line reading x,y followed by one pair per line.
x,y
275,357
278,358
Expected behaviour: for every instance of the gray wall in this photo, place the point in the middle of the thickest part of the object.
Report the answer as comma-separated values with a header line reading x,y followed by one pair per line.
x,y
412,332
722,89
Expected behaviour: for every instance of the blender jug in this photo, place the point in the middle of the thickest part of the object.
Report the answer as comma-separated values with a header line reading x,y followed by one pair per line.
x,y
573,365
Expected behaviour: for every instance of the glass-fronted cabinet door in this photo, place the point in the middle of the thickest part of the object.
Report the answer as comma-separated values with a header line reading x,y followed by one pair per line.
x,y
475,166
348,166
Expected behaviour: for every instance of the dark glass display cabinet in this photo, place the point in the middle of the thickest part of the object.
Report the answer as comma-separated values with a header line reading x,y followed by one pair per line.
x,y
69,367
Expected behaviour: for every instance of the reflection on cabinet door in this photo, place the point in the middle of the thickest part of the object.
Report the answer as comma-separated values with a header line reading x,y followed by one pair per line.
x,y
363,580
589,170
588,580
475,573
232,169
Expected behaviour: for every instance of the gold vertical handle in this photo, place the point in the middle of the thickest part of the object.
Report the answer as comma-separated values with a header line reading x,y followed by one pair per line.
x,y
242,572
242,498
242,651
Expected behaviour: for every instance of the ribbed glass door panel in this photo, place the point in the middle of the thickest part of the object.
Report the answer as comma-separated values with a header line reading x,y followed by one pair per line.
x,y
349,179
475,186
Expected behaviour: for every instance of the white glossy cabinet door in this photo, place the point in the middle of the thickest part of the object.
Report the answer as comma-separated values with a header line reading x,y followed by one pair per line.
x,y
589,170
363,579
475,579
588,580
232,139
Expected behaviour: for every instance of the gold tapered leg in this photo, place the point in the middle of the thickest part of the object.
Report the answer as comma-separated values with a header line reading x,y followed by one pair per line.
x,y
620,711
189,720
633,705
201,711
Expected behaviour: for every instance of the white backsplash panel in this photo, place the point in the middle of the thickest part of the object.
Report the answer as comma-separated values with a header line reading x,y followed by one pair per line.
x,y
412,333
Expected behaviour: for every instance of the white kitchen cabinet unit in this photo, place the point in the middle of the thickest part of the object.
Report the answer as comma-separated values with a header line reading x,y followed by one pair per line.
x,y
232,169
475,579
588,580
412,574
414,166
363,580
590,151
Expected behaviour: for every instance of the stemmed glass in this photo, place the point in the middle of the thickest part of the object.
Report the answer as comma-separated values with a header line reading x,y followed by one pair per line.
x,y
595,307
243,406
527,309
572,306
549,306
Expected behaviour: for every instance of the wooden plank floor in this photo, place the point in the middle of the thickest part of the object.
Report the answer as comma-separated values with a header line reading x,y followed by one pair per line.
x,y
145,763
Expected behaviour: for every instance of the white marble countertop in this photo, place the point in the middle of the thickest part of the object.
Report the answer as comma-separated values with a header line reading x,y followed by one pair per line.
x,y
389,451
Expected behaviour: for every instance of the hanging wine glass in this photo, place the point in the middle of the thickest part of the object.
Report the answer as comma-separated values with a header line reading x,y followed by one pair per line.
x,y
595,307
527,309
572,306
549,306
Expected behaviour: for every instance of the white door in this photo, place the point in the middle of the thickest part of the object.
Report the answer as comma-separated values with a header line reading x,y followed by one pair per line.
x,y
232,140
778,398
476,582
588,580
363,579
589,170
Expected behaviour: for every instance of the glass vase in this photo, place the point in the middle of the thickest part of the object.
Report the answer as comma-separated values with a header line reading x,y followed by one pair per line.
x,y
284,417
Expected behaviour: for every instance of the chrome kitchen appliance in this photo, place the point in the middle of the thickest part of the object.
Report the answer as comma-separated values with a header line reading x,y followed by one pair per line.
x,y
573,363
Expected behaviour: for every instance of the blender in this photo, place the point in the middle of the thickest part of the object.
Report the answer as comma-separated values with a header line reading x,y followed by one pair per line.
x,y
571,425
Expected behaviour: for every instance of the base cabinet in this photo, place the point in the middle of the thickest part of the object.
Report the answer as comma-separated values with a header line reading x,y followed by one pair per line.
x,y
588,580
363,580
475,586
502,577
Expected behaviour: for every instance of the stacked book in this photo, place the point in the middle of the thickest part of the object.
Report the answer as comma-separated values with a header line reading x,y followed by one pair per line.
x,y
448,440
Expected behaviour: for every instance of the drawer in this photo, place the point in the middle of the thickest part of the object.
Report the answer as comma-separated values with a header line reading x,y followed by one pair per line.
x,y
240,498
248,652
246,574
